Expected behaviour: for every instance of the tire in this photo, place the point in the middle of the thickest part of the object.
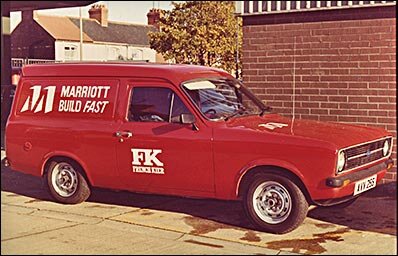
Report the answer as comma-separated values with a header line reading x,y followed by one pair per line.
x,y
66,182
285,209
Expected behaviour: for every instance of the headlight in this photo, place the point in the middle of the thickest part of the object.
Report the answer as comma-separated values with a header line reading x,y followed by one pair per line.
x,y
386,148
340,161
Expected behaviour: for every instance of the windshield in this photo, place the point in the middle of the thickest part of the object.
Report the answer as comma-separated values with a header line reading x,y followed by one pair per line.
x,y
222,98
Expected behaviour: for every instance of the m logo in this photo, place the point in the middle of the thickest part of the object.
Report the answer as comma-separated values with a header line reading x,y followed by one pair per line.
x,y
37,100
145,161
272,126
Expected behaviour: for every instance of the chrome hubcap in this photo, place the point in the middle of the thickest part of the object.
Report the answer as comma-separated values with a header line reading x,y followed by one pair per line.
x,y
64,179
272,202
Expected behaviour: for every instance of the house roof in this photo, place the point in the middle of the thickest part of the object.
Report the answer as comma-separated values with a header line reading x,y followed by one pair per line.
x,y
115,32
61,28
67,28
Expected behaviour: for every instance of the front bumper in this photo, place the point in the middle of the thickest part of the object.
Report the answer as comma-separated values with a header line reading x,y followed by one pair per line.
x,y
341,188
337,182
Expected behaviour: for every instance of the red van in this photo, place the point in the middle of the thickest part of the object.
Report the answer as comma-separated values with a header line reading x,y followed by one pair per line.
x,y
184,130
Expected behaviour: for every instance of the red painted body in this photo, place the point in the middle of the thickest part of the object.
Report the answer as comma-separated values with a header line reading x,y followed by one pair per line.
x,y
209,162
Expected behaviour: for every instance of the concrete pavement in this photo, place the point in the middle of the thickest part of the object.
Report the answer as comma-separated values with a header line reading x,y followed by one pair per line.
x,y
129,223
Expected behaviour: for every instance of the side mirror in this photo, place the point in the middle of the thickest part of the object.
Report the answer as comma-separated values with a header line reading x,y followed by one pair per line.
x,y
189,119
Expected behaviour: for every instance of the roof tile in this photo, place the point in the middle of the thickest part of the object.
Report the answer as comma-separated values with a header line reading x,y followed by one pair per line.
x,y
115,32
61,28
67,28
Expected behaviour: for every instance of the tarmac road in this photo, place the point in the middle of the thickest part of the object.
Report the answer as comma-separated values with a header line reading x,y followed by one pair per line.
x,y
128,223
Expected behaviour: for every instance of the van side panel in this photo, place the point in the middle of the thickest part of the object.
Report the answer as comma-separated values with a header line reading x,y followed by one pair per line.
x,y
67,117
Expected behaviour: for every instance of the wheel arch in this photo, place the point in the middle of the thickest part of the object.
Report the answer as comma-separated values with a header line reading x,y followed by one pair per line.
x,y
249,173
56,156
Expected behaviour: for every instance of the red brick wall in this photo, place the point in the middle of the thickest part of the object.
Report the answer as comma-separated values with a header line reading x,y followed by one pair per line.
x,y
345,69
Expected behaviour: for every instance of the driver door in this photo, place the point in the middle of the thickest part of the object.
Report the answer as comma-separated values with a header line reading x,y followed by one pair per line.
x,y
158,153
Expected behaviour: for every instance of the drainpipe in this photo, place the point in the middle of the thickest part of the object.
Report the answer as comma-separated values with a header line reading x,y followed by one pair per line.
x,y
81,33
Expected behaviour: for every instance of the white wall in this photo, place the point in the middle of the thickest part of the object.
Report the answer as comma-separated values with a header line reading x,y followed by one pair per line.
x,y
103,52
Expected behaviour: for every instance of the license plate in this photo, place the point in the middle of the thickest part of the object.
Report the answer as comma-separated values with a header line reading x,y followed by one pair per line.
x,y
365,184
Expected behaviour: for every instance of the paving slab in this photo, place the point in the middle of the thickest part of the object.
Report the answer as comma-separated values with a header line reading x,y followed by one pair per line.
x,y
102,239
21,225
80,239
84,209
312,237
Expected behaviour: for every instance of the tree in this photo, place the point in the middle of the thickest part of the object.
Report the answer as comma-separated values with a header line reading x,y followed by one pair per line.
x,y
199,32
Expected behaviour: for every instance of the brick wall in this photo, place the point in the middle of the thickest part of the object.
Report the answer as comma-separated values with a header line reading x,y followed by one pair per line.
x,y
30,40
345,65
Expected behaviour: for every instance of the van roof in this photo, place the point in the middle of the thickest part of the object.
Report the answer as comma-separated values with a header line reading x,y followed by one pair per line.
x,y
175,73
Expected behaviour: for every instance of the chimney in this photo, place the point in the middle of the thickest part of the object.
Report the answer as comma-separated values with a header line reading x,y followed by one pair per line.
x,y
28,15
153,17
100,13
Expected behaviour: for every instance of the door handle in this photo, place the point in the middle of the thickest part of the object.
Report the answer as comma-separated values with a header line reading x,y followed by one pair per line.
x,y
124,134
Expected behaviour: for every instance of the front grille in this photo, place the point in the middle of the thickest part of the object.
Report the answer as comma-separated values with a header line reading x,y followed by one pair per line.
x,y
358,150
358,161
363,154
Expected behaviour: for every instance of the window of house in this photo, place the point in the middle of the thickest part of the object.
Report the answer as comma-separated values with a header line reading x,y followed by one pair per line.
x,y
70,52
154,104
137,54
114,53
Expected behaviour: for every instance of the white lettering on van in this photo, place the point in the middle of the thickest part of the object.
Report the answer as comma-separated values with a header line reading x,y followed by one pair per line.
x,y
36,99
85,91
65,91
69,106
146,161
88,101
95,106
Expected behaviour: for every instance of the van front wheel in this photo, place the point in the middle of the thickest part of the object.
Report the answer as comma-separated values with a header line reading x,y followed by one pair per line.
x,y
275,204
66,182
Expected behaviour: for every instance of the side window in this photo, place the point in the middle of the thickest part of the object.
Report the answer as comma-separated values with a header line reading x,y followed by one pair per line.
x,y
152,104
178,109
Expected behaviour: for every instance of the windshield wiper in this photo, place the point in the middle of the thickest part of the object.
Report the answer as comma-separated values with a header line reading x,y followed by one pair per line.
x,y
238,112
265,109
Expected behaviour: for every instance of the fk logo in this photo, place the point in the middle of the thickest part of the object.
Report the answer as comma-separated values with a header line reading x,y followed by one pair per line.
x,y
146,157
37,101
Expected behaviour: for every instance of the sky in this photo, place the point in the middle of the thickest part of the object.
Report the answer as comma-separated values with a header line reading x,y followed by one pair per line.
x,y
125,11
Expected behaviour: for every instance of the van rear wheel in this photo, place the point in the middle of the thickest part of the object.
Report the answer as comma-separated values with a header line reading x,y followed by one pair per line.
x,y
66,182
274,203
